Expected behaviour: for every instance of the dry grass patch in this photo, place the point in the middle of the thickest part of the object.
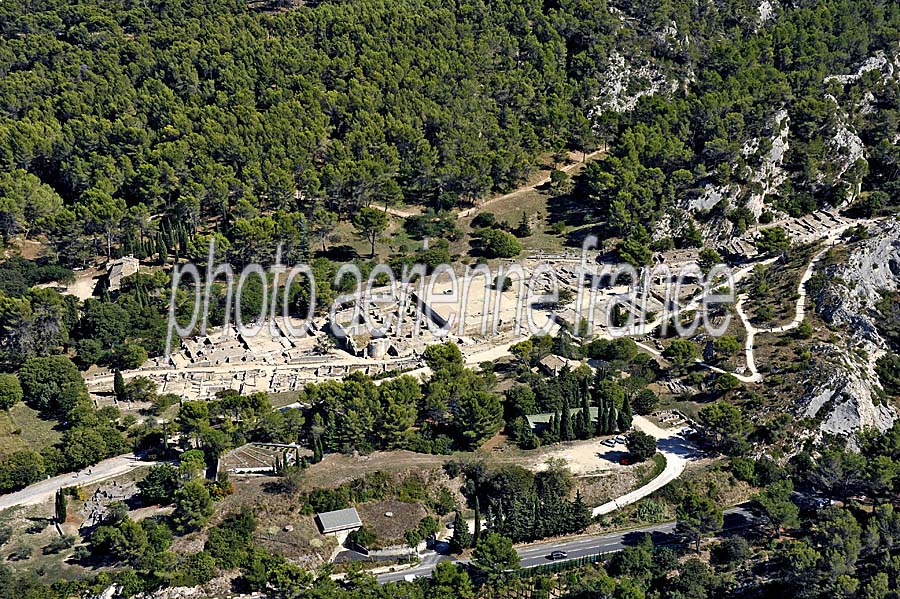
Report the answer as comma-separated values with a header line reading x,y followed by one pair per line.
x,y
22,428
390,529
280,526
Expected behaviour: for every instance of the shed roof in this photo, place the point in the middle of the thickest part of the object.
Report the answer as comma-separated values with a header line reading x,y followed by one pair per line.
x,y
339,520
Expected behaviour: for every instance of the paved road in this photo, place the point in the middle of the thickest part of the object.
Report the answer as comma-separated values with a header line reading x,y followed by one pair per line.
x,y
536,554
46,489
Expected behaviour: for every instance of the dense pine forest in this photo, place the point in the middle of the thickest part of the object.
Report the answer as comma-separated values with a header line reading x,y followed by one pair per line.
x,y
115,114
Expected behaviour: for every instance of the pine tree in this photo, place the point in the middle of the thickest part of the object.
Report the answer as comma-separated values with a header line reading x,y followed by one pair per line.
x,y
625,417
119,385
567,432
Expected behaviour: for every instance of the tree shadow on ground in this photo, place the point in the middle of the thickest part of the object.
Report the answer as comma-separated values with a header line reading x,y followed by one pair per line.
x,y
339,253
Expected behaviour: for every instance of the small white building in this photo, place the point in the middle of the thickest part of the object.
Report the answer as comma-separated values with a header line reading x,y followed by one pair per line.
x,y
119,269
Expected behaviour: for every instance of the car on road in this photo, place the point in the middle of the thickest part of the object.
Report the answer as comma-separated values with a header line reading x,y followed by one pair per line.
x,y
554,555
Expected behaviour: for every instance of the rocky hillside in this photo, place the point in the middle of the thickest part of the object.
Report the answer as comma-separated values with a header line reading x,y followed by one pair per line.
x,y
846,395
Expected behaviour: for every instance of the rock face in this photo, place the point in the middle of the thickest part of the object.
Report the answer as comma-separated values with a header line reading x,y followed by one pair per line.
x,y
845,390
626,83
113,591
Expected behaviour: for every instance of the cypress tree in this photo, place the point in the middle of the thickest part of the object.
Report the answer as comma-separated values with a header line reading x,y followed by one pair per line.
x,y
303,244
61,506
610,419
119,385
168,234
554,427
477,534
104,291
142,296
161,251
580,429
182,238
317,450
567,432
625,416
139,247
462,538
600,428
586,414
581,514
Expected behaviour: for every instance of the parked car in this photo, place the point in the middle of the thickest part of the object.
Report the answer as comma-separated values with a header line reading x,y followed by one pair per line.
x,y
620,439
558,555
609,442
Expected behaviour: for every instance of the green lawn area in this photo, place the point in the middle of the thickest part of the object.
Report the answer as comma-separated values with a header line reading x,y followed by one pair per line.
x,y
22,428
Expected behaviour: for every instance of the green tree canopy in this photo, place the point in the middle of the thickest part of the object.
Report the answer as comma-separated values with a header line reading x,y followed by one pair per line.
x,y
494,557
52,384
10,391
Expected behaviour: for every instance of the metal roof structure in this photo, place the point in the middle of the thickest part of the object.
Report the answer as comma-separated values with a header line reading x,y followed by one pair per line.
x,y
339,520
536,421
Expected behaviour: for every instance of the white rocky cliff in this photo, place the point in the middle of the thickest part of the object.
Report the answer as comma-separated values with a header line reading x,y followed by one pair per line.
x,y
845,394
